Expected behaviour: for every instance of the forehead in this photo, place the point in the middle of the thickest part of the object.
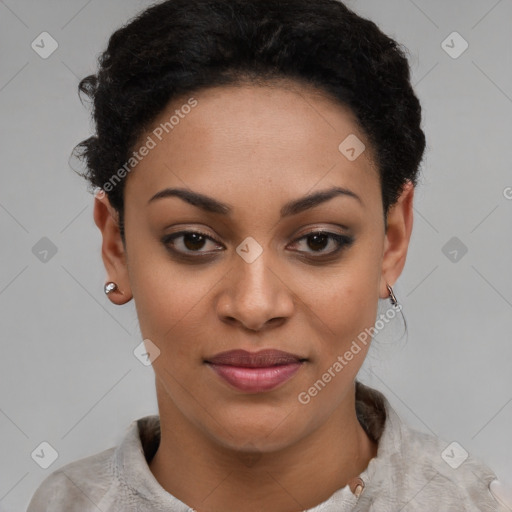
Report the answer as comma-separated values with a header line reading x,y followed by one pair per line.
x,y
283,136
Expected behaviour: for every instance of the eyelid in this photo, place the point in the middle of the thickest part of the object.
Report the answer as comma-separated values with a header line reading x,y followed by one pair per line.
x,y
322,229
183,232
343,240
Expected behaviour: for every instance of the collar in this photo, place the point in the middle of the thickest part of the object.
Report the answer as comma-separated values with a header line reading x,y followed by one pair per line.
x,y
142,437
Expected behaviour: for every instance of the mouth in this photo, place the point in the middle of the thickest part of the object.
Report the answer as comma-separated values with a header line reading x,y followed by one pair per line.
x,y
255,372
262,359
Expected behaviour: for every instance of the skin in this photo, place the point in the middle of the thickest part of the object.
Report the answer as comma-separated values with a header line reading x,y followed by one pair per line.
x,y
256,148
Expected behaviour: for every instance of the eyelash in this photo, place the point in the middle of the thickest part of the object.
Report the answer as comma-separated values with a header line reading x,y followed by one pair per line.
x,y
343,241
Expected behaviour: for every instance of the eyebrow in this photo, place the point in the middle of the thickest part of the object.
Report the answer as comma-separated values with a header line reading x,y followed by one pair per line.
x,y
211,205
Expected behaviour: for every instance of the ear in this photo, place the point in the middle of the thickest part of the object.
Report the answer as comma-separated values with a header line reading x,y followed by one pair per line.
x,y
398,235
113,251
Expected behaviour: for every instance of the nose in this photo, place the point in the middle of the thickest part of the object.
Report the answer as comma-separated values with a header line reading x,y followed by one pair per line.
x,y
255,295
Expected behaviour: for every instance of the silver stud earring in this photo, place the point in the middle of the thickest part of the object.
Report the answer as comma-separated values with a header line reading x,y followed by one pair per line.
x,y
392,298
110,287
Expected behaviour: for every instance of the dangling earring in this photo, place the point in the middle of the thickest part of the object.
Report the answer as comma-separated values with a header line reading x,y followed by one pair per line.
x,y
392,298
110,287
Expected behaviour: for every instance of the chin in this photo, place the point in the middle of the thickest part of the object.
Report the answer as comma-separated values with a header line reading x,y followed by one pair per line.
x,y
258,432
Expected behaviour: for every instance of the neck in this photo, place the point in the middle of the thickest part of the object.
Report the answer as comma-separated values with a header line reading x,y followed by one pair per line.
x,y
208,476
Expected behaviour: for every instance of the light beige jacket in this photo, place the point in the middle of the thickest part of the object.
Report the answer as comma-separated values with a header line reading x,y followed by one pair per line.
x,y
412,472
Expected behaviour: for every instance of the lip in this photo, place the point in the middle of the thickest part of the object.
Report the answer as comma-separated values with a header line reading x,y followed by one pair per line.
x,y
255,372
262,359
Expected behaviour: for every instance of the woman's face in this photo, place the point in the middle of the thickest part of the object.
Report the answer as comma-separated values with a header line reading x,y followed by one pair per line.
x,y
257,277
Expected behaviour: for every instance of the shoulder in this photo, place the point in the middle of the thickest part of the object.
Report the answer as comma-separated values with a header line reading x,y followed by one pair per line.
x,y
78,486
415,469
107,480
433,470
445,472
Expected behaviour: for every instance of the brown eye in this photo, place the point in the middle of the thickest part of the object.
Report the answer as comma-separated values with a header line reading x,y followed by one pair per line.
x,y
191,242
318,241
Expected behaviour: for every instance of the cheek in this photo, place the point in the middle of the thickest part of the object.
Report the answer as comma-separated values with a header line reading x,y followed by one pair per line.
x,y
346,303
169,303
167,296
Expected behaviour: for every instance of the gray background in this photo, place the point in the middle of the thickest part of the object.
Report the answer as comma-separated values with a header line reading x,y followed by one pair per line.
x,y
68,373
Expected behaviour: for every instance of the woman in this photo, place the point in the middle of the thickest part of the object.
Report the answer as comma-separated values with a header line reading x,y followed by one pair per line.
x,y
257,162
